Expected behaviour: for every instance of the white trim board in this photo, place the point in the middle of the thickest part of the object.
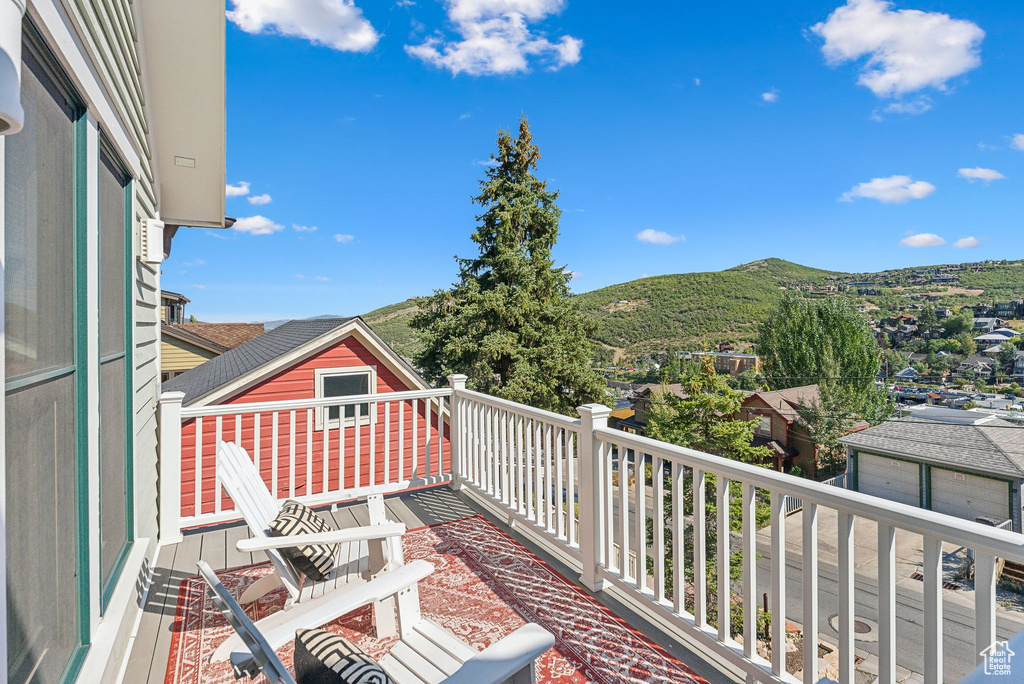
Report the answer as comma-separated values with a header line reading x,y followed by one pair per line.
x,y
356,328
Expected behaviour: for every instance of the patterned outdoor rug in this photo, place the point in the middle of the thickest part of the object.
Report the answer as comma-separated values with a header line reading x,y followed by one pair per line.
x,y
485,586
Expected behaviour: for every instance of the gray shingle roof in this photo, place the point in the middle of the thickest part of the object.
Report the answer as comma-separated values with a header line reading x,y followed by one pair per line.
x,y
995,447
243,359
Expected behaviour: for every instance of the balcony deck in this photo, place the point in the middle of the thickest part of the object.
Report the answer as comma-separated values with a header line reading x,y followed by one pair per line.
x,y
147,662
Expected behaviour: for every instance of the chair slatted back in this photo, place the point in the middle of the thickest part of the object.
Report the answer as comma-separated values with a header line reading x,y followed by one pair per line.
x,y
265,658
240,478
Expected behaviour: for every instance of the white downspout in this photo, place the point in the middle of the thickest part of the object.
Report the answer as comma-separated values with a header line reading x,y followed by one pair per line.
x,y
12,116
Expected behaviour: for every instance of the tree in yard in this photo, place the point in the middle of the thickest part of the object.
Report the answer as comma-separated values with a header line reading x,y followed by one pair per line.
x,y
927,321
828,343
960,322
704,419
1006,358
509,322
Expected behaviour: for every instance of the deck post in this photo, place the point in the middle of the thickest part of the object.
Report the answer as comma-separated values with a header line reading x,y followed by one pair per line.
x,y
169,426
592,503
456,439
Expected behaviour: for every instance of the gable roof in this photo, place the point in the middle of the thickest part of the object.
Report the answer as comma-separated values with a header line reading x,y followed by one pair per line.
x,y
246,364
228,335
787,402
179,332
990,447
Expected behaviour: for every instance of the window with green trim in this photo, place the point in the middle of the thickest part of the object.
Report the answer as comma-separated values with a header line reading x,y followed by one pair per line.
x,y
114,370
46,438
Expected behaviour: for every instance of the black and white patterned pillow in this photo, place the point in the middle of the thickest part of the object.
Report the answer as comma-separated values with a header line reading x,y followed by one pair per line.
x,y
315,561
325,658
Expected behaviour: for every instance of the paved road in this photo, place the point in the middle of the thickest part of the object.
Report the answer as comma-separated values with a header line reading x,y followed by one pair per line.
x,y
958,620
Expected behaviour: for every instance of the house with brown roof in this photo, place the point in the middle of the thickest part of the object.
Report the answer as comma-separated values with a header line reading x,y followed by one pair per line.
x,y
777,414
184,346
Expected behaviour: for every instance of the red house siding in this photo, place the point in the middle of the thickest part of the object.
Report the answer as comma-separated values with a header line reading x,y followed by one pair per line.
x,y
304,474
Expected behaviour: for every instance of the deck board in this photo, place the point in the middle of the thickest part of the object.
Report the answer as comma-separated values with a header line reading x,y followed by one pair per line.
x,y
147,663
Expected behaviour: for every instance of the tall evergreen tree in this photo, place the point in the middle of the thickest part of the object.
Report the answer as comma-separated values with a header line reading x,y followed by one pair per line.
x,y
509,322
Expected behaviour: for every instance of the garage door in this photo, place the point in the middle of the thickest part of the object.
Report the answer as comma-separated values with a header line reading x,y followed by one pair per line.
x,y
889,479
968,496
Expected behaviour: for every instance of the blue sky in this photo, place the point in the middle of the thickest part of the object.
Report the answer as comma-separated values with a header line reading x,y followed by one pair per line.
x,y
853,136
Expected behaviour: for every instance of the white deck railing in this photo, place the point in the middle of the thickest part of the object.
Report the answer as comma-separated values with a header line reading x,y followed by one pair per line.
x,y
554,478
373,443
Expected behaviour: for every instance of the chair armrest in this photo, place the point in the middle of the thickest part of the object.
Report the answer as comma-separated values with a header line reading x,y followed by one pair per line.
x,y
352,534
331,606
498,662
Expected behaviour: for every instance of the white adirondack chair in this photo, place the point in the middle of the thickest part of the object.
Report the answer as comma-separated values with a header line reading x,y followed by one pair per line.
x,y
426,654
363,552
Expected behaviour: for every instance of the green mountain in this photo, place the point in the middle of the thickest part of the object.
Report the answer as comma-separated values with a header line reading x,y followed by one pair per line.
x,y
691,310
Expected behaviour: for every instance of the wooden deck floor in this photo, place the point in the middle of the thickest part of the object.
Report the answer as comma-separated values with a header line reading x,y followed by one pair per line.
x,y
147,660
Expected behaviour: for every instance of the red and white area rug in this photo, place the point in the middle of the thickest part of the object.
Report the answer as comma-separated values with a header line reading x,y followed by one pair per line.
x,y
485,586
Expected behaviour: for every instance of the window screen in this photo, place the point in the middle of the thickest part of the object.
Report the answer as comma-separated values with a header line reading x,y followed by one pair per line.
x,y
114,425
347,386
43,545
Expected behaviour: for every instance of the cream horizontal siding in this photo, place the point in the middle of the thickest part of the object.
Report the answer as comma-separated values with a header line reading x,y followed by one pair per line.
x,y
176,355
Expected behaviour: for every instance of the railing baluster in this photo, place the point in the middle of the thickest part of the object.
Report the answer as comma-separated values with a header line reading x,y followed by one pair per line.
x,y
273,455
506,454
309,452
528,459
609,507
428,441
415,439
401,441
778,582
538,472
238,429
513,455
678,541
623,514
640,473
342,432
724,582
846,604
886,604
256,442
357,451
387,443
492,455
549,494
570,485
325,444
932,609
750,604
440,435
658,526
291,454
809,589
700,566
372,417
984,602
560,500
216,469
199,466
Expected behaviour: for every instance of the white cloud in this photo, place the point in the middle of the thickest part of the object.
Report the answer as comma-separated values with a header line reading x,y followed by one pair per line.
x,y
770,96
303,229
487,162
573,275
259,199
906,50
199,287
464,116
237,190
696,82
1017,142
985,146
299,276
890,190
658,237
495,38
922,240
967,242
343,238
978,173
337,24
322,279
256,225
914,107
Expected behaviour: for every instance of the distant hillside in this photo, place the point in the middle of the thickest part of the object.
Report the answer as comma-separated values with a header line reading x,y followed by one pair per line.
x,y
695,309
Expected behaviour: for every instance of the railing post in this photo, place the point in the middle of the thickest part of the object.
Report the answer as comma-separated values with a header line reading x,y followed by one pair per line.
x,y
456,439
592,503
169,427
